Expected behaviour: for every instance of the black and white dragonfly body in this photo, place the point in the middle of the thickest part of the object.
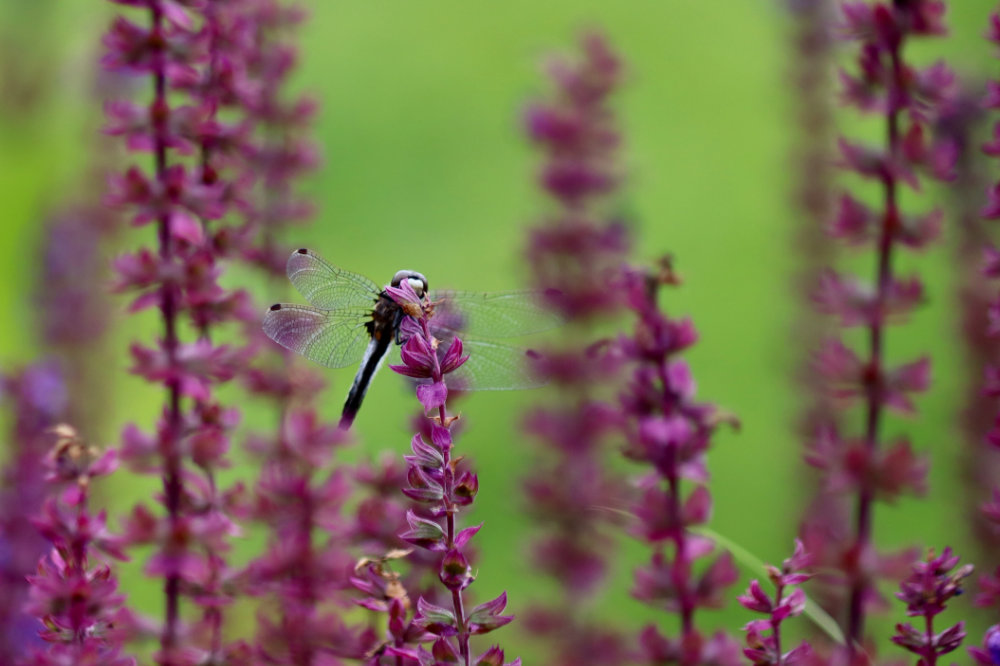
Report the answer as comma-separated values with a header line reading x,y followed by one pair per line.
x,y
350,319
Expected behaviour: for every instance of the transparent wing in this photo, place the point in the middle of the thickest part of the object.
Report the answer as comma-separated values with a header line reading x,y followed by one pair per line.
x,y
493,366
500,314
326,286
334,338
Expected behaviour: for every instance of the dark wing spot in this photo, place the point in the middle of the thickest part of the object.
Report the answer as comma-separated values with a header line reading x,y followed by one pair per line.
x,y
276,306
302,250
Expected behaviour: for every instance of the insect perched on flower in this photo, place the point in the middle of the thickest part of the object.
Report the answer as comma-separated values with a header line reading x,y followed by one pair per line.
x,y
350,318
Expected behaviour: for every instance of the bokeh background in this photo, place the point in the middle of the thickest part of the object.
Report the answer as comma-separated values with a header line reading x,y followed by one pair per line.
x,y
425,166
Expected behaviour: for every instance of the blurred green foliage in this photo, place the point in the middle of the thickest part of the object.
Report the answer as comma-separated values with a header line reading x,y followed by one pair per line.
x,y
425,167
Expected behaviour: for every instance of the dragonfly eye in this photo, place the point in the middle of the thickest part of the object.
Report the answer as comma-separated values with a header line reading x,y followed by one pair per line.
x,y
419,286
413,278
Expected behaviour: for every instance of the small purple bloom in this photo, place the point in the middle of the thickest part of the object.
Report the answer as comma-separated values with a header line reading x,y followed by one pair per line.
x,y
763,648
74,593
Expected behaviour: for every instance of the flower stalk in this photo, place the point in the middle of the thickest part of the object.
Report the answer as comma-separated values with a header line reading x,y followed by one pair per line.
x,y
906,100
574,253
669,432
177,48
435,478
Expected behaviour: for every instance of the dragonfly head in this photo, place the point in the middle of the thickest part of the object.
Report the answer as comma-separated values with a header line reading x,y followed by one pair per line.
x,y
416,280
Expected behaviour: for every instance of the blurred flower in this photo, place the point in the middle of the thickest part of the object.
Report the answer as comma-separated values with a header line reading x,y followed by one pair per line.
x,y
989,653
908,99
37,400
926,592
75,597
669,432
193,48
991,270
574,254
297,497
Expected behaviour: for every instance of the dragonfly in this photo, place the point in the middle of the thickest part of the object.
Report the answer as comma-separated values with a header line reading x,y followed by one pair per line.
x,y
350,319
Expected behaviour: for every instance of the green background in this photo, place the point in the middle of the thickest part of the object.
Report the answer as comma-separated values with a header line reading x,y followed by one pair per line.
x,y
425,167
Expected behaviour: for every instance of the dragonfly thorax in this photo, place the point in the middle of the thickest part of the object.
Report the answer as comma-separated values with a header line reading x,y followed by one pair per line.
x,y
416,280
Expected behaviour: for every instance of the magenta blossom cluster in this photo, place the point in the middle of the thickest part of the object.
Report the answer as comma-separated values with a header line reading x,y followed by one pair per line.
x,y
926,592
990,597
668,431
574,253
764,646
192,52
859,462
992,148
280,152
36,399
393,574
74,593
299,498
436,480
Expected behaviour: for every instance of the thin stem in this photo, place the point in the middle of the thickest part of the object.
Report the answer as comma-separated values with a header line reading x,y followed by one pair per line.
x,y
78,564
168,307
450,509
306,562
931,656
776,627
890,223
213,614
681,570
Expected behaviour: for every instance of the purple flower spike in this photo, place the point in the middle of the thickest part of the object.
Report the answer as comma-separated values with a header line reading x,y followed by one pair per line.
x,y
440,489
37,400
669,432
763,648
74,593
861,467
989,654
926,592
986,328
575,252
197,182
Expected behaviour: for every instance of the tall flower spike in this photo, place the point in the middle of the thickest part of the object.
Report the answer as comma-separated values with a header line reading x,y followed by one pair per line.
x,y
907,100
436,479
298,496
669,433
74,594
990,326
812,159
181,47
574,253
980,461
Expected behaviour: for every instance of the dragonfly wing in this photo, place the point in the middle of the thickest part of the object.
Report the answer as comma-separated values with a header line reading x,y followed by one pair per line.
x,y
493,366
501,314
326,286
331,338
